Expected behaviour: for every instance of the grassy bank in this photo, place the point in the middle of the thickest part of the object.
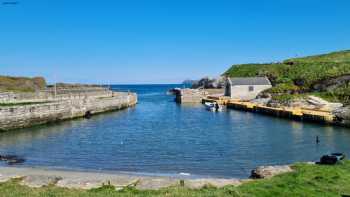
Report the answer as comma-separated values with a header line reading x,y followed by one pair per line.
x,y
307,180
303,75
21,84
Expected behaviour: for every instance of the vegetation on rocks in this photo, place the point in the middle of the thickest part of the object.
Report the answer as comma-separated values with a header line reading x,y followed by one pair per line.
x,y
302,75
21,84
305,180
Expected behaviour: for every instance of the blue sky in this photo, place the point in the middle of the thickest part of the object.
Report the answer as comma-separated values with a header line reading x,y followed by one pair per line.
x,y
162,41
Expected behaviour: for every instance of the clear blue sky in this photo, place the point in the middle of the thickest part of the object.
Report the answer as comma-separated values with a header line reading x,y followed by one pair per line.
x,y
164,41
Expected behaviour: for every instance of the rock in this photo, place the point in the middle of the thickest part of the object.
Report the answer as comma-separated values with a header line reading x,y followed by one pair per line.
x,y
12,159
209,83
6,177
316,101
189,82
155,183
218,183
76,183
263,172
40,180
332,83
342,115
311,102
261,101
323,104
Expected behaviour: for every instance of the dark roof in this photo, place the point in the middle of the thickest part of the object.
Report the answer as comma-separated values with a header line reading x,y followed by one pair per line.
x,y
250,81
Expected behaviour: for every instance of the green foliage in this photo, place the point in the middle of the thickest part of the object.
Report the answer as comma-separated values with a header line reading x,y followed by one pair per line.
x,y
339,94
21,84
300,74
307,180
273,71
284,88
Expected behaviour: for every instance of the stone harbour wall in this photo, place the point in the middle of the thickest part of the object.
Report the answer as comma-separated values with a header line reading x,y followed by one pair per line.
x,y
51,94
190,96
21,116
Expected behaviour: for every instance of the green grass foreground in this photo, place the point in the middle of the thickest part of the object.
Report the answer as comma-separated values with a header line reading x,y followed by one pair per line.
x,y
307,180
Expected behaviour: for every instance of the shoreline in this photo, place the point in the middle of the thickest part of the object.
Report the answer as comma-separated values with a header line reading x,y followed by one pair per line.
x,y
179,175
38,177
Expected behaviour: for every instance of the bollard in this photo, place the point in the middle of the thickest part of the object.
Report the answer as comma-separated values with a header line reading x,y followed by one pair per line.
x,y
182,183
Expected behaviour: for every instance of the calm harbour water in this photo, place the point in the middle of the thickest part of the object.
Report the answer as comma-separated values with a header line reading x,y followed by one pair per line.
x,y
161,137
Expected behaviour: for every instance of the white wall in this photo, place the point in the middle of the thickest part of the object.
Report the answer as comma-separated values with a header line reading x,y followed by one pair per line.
x,y
242,91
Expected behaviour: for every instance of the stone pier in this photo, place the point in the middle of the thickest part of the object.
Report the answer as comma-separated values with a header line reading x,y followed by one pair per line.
x,y
72,106
190,95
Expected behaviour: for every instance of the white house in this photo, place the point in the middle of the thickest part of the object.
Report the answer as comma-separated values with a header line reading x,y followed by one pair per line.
x,y
246,88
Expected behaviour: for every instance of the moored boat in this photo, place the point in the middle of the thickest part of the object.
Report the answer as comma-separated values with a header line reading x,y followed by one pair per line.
x,y
214,107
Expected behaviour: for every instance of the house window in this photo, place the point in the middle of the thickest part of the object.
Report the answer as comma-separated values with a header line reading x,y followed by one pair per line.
x,y
251,88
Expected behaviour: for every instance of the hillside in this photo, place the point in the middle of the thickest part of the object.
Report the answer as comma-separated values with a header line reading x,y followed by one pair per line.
x,y
339,56
326,75
21,84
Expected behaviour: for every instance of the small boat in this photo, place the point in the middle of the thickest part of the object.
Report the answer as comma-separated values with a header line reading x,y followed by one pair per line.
x,y
214,107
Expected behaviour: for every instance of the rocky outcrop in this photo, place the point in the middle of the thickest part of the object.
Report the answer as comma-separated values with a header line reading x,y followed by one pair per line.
x,y
209,83
309,102
218,183
331,84
262,99
323,104
263,172
343,116
343,113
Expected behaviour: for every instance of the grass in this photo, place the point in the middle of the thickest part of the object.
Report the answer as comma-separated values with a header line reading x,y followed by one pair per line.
x,y
339,56
21,84
307,180
303,75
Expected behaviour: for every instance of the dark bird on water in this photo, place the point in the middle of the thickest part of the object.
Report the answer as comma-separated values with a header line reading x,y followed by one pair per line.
x,y
317,140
